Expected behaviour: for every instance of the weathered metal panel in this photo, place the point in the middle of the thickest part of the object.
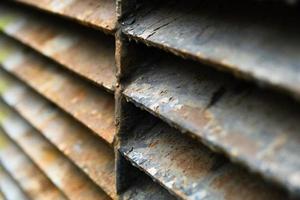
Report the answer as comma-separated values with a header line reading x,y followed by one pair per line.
x,y
100,14
87,53
10,190
188,169
60,171
88,152
257,42
32,181
85,102
254,127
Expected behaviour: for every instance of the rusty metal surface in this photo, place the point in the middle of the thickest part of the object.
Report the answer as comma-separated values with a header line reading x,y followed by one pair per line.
x,y
99,14
32,181
190,170
78,143
58,168
259,45
10,190
145,189
254,127
87,53
85,102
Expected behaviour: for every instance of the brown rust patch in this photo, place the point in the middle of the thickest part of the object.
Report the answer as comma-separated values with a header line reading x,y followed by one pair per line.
x,y
100,14
83,101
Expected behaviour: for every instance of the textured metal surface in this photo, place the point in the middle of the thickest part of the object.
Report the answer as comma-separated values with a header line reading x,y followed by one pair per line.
x,y
60,171
85,102
10,190
254,127
61,65
88,53
96,13
79,144
32,181
188,169
145,189
263,44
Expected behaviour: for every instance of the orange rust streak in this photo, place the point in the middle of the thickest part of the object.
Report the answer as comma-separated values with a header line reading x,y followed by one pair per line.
x,y
97,13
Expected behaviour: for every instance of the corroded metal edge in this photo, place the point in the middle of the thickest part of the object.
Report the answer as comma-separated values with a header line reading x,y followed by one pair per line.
x,y
85,52
99,14
188,169
226,114
145,189
214,35
33,182
81,100
79,144
58,169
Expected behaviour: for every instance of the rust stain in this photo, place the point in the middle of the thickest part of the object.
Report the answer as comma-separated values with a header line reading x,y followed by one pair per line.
x,y
96,13
84,101
61,171
86,53
78,143
35,184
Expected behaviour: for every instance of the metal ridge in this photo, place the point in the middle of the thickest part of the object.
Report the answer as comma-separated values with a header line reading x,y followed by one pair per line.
x,y
249,125
256,45
83,101
87,151
85,52
62,172
33,182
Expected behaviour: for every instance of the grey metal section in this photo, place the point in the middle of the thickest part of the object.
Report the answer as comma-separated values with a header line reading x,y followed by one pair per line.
x,y
145,189
190,170
254,127
259,42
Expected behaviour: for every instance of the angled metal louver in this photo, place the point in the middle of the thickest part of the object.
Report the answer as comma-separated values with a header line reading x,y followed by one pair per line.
x,y
80,99
31,180
60,171
135,99
9,187
87,53
78,143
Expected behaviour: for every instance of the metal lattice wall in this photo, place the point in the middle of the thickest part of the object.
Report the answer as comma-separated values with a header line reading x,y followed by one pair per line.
x,y
135,99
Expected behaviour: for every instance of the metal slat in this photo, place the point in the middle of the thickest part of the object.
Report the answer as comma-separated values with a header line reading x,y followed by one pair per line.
x,y
189,170
145,189
87,53
237,37
100,14
85,102
79,144
254,127
10,189
61,171
32,181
